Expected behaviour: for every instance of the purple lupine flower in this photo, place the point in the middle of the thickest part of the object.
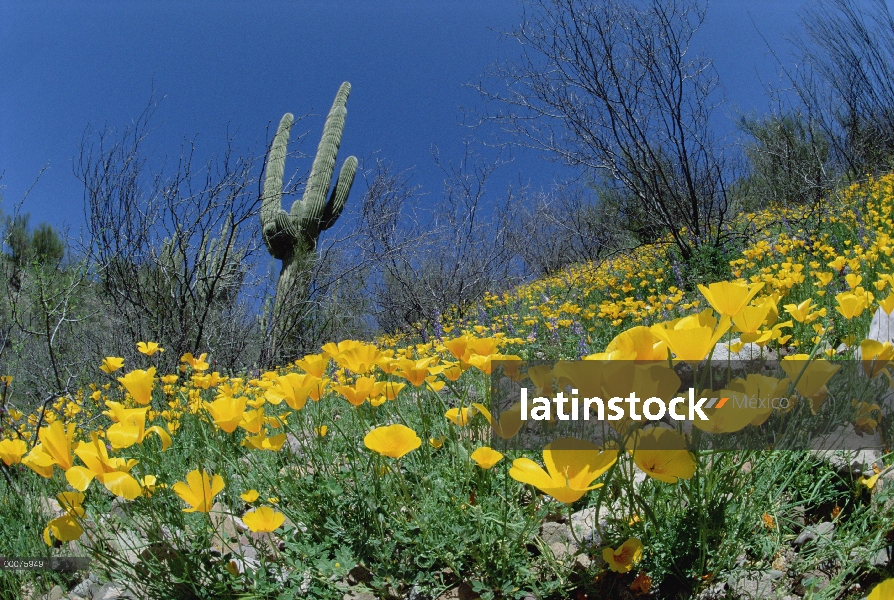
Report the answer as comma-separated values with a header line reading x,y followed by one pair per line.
x,y
678,275
554,326
482,315
532,337
583,349
439,329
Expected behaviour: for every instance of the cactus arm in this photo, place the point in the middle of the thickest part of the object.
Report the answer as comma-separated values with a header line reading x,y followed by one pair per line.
x,y
313,202
271,204
339,193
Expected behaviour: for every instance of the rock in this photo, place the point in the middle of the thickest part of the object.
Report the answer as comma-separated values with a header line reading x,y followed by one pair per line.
x,y
558,537
752,585
359,595
881,558
227,528
716,591
811,583
127,544
584,523
240,565
294,445
848,452
749,351
562,550
359,574
882,327
56,593
110,591
50,508
86,587
552,532
823,530
461,592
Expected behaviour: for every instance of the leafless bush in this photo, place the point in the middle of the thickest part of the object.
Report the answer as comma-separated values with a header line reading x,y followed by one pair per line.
x,y
788,156
432,257
614,88
45,315
845,81
568,225
172,254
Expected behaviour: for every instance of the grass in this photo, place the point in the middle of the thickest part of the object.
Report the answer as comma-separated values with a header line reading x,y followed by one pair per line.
x,y
433,519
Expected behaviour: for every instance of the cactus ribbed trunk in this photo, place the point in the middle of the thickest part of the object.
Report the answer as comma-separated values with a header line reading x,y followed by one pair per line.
x,y
292,237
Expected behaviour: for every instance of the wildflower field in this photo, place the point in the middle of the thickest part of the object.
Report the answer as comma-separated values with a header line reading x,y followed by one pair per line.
x,y
381,469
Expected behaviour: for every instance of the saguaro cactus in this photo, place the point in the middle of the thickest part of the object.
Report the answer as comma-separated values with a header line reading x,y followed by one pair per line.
x,y
292,236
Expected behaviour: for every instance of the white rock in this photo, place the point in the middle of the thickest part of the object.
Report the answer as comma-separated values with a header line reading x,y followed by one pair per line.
x,y
882,327
749,351
846,450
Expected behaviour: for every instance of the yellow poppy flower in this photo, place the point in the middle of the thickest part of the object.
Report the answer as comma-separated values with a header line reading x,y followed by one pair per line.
x,y
729,298
58,443
149,348
359,359
625,557
249,495
130,428
11,451
362,389
486,457
263,519
227,412
262,442
109,471
294,388
637,343
799,312
691,338
314,364
811,375
39,461
883,591
199,490
393,441
509,423
460,416
875,356
571,467
110,364
198,364
140,383
65,528
414,371
887,304
850,305
662,454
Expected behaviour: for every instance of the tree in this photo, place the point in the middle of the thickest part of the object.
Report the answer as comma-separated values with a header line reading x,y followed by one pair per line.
x,y
431,260
789,157
846,81
172,253
570,224
610,86
44,245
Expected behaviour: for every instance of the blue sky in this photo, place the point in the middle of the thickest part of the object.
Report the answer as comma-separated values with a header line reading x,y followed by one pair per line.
x,y
239,65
